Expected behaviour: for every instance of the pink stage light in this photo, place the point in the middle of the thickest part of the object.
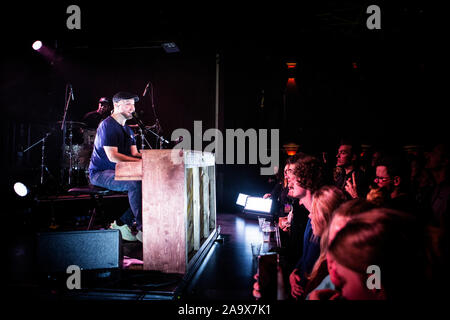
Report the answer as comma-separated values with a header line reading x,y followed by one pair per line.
x,y
37,45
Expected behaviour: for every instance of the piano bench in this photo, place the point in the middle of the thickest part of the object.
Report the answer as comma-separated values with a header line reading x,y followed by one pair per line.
x,y
96,193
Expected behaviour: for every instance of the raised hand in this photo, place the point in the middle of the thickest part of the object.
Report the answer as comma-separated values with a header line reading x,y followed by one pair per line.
x,y
350,186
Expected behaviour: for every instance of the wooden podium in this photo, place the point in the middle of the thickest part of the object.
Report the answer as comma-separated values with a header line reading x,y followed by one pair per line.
x,y
178,207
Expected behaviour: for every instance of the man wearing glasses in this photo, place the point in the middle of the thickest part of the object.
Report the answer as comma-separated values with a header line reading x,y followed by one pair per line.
x,y
392,176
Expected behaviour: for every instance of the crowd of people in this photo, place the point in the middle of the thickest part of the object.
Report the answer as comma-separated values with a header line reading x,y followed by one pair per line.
x,y
364,230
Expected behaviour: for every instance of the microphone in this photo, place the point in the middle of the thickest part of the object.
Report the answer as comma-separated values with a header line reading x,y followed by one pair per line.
x,y
180,139
146,88
139,122
135,116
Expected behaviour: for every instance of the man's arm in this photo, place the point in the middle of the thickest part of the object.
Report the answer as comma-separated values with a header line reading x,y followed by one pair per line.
x,y
114,156
135,152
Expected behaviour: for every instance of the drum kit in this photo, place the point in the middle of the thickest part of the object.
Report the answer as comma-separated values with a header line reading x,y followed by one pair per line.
x,y
78,144
78,147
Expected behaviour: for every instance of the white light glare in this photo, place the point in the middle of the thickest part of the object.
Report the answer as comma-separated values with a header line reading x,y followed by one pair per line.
x,y
242,199
37,45
20,189
258,204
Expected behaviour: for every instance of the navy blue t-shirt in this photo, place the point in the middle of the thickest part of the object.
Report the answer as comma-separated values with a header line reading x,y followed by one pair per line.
x,y
110,134
311,252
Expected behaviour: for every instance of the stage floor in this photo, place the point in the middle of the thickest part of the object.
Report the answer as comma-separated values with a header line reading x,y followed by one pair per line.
x,y
226,272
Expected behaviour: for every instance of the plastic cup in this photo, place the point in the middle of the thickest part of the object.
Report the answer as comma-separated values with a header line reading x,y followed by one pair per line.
x,y
261,222
256,249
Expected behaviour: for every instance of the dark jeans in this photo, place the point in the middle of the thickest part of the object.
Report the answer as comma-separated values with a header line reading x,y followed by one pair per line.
x,y
106,180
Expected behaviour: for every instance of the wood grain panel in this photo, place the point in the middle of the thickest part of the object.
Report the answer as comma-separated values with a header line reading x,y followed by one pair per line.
x,y
178,206
164,232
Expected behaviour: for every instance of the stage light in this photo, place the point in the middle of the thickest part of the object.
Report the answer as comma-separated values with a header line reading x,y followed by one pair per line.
x,y
256,204
291,148
241,200
37,45
291,65
20,189
291,74
291,83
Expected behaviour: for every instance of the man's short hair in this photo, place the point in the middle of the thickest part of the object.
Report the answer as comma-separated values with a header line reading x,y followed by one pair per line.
x,y
396,166
356,148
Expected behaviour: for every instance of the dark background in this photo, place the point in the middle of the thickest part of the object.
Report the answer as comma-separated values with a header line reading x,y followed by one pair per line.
x,y
350,81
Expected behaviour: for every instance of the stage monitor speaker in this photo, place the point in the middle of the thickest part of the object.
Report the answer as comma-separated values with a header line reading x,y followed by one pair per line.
x,y
89,250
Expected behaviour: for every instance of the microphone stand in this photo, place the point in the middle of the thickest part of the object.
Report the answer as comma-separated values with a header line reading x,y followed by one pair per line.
x,y
63,128
143,139
146,130
43,166
63,122
158,126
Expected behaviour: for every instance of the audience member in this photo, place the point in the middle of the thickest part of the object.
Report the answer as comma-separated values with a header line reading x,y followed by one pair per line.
x,y
309,177
383,240
393,176
421,183
439,202
373,156
281,203
437,162
319,278
350,178
294,224
325,201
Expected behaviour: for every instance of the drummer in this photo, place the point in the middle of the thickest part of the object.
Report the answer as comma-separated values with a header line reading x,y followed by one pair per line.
x,y
93,118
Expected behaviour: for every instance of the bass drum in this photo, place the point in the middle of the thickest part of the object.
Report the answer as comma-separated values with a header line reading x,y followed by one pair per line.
x,y
89,136
85,151
72,152
81,157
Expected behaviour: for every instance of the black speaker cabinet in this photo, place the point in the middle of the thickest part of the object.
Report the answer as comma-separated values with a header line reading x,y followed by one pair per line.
x,y
89,250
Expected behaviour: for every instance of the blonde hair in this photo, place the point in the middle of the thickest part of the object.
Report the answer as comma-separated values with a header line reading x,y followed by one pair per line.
x,y
325,201
345,209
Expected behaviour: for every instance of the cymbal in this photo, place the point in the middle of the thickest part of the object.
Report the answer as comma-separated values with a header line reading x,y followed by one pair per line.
x,y
74,123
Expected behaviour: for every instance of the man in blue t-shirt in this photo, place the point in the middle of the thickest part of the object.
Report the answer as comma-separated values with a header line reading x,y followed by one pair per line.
x,y
115,142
